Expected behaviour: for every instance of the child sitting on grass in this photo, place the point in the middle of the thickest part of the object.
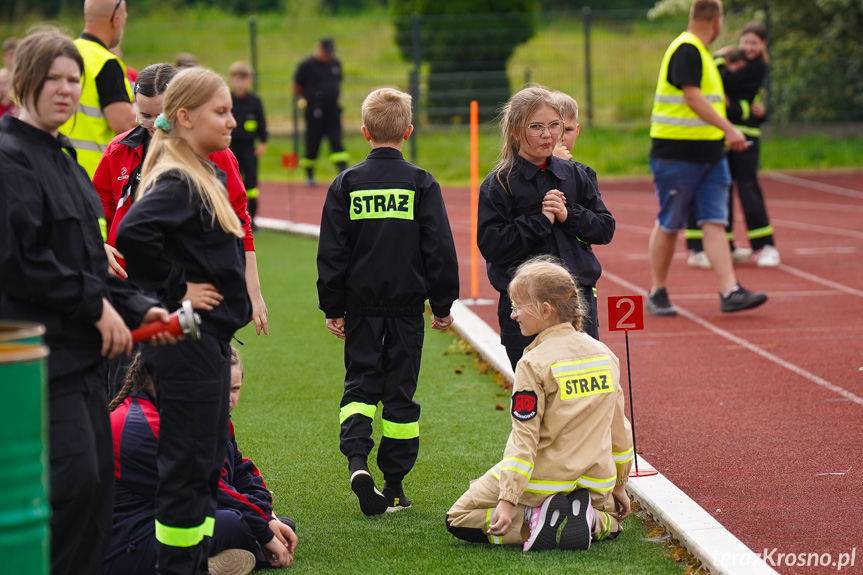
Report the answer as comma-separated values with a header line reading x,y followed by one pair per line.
x,y
561,480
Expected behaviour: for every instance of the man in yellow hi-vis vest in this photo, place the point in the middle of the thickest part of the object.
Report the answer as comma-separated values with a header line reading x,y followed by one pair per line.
x,y
689,130
105,109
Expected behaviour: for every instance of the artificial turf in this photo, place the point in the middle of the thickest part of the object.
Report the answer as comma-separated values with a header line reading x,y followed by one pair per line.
x,y
287,422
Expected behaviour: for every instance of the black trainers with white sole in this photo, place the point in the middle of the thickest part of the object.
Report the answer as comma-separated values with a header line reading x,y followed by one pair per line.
x,y
396,501
577,533
544,522
740,299
372,501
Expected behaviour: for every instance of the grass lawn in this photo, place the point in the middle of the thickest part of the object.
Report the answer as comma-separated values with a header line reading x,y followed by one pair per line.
x,y
287,422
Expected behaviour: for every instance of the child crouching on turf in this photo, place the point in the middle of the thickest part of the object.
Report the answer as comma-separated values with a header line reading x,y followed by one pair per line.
x,y
570,437
385,248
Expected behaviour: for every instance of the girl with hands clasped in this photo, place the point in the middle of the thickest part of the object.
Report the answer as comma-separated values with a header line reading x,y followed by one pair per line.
x,y
53,272
535,203
561,482
183,229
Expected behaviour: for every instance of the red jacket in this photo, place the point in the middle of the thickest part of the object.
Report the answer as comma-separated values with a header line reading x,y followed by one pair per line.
x,y
120,166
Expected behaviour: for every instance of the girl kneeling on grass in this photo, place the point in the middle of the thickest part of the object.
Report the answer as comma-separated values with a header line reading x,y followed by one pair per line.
x,y
182,229
561,480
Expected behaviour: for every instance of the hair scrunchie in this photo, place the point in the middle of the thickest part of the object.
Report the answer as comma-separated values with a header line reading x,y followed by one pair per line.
x,y
162,123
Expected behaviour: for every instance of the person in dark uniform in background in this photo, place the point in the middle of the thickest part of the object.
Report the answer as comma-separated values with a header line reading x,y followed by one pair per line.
x,y
53,271
251,127
385,248
317,83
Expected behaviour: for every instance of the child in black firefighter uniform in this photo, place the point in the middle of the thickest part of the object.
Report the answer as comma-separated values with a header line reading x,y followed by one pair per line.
x,y
385,247
251,128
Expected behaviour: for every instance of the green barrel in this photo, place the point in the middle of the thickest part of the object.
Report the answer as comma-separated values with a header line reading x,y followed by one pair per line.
x,y
24,504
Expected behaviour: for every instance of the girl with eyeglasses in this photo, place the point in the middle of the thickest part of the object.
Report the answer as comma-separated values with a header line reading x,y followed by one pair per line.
x,y
533,203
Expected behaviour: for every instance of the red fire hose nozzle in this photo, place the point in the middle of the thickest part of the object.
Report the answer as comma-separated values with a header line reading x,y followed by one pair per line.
x,y
184,321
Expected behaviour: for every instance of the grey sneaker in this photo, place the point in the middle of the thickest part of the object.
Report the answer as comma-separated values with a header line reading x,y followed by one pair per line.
x,y
231,562
741,299
659,305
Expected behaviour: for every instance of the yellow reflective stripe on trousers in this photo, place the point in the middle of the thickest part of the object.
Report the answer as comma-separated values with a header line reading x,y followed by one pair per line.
x,y
694,234
184,536
357,408
513,464
395,430
495,539
623,456
604,533
339,157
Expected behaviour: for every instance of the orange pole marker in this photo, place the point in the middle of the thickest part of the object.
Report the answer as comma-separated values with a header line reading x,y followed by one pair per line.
x,y
474,198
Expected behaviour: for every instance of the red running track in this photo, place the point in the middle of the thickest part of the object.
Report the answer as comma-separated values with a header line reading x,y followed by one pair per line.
x,y
757,416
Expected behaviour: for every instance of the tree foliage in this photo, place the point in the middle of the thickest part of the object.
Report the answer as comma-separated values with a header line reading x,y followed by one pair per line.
x,y
466,44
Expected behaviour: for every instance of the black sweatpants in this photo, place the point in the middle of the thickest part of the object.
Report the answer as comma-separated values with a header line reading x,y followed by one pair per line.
x,y
323,120
744,173
382,364
82,471
193,382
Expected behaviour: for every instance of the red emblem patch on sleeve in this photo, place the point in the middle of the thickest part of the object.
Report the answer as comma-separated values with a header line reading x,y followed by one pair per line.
x,y
524,405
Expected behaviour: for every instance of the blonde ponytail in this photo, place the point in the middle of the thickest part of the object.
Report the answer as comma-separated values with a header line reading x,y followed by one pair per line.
x,y
189,89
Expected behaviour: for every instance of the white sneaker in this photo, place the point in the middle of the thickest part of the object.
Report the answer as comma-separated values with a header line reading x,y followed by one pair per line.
x,y
741,255
699,260
768,257
231,562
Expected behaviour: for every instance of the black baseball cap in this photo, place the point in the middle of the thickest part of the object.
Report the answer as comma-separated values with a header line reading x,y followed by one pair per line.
x,y
327,46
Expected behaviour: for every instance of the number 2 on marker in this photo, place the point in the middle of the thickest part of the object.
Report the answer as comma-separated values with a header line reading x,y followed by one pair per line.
x,y
625,313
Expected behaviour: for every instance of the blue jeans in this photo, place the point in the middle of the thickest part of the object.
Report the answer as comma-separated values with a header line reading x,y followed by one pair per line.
x,y
681,185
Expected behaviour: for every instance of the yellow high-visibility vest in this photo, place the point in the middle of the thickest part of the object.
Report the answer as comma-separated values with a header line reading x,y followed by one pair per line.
x,y
671,118
88,129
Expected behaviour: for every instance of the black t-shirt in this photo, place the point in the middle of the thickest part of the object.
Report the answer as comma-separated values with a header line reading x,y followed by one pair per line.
x,y
685,69
111,82
319,80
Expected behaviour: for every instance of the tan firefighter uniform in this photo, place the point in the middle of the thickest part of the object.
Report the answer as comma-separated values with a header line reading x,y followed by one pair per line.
x,y
569,431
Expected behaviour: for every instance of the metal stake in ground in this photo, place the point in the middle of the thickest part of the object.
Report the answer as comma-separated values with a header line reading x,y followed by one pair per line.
x,y
626,313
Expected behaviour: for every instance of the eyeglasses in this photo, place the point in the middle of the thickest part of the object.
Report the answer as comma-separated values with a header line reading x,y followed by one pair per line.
x,y
515,309
148,123
114,13
537,129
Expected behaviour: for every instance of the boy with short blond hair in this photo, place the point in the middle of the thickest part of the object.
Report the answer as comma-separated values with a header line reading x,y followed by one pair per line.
x,y
385,248
568,109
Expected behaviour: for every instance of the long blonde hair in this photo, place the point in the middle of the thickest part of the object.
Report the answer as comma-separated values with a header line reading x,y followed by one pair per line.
x,y
513,127
544,279
190,89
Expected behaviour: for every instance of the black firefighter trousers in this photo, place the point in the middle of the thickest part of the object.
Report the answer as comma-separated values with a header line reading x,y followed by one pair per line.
x,y
193,382
382,364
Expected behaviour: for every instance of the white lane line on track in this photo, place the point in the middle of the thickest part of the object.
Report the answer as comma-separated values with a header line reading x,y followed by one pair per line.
x,y
745,343
828,230
829,188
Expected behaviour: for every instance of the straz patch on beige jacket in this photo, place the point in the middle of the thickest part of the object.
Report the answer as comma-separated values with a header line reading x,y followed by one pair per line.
x,y
569,428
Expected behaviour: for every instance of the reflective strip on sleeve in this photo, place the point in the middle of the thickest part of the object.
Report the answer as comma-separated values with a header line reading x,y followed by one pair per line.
x,y
513,464
253,193
400,430
250,125
184,536
357,408
103,229
623,456
379,204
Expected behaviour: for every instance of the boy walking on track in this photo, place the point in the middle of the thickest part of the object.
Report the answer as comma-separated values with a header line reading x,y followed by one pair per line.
x,y
385,248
